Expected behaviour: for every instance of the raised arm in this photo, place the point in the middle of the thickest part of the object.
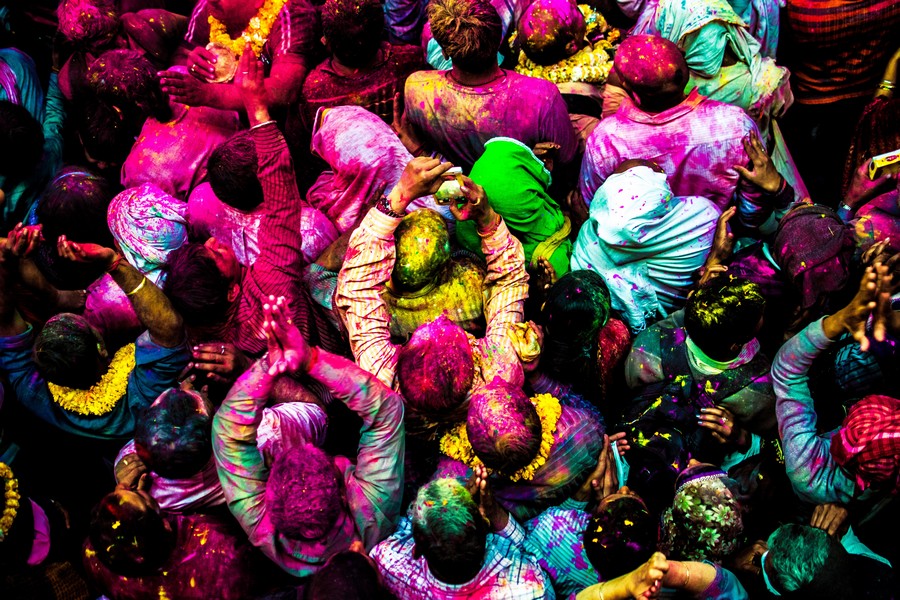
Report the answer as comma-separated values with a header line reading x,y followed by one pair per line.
x,y
152,307
18,244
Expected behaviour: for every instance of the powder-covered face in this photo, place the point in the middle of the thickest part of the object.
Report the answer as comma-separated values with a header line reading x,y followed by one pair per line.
x,y
423,248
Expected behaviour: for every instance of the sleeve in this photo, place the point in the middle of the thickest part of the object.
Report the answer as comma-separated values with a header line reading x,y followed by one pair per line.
x,y
813,473
295,34
756,211
241,468
375,484
198,26
725,586
367,266
506,284
156,370
592,174
394,555
29,387
513,532
54,120
644,363
556,126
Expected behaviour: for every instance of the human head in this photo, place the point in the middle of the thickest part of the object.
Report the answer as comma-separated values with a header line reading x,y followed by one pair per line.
x,y
69,352
303,493
448,531
104,133
814,247
723,315
349,575
435,369
129,535
173,437
202,282
74,204
804,561
231,171
576,309
468,31
127,80
653,69
877,132
423,248
352,30
704,521
620,536
503,427
867,445
551,30
147,224
91,23
21,141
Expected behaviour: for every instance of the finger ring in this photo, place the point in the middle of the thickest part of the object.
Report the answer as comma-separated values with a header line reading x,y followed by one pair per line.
x,y
193,68
222,349
723,421
124,462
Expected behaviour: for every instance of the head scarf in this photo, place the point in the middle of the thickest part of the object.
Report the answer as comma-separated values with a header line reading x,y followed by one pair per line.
x,y
148,224
365,156
704,521
868,443
814,247
516,183
649,62
645,242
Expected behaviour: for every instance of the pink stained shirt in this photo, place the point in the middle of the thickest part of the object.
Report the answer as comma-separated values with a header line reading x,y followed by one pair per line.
x,y
697,143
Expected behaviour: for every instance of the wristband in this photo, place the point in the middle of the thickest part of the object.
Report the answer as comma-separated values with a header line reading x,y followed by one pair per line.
x,y
115,263
491,229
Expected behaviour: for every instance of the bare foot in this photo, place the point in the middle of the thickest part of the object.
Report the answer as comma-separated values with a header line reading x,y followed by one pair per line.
x,y
71,300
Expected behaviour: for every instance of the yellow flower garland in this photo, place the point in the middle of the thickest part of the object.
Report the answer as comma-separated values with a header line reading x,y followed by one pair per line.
x,y
455,442
11,500
105,394
256,33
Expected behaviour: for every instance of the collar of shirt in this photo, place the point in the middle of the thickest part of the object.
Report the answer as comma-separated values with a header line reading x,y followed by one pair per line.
x,y
633,112
705,365
494,563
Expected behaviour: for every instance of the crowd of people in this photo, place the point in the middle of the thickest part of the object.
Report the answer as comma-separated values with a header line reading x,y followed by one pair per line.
x,y
438,299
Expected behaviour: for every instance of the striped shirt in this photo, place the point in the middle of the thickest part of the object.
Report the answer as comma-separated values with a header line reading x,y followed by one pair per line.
x,y
838,48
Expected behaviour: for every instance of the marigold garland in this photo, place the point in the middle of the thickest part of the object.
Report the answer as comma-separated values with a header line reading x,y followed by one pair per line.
x,y
105,394
455,442
11,500
256,33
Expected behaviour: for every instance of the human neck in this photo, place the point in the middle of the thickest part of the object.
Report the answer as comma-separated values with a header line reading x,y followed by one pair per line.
x,y
237,21
343,69
475,79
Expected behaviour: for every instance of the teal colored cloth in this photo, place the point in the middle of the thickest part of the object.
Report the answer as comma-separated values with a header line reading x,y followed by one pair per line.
x,y
516,184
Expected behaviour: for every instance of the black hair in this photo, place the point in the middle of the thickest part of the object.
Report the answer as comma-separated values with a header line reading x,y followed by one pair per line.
x,y
724,312
66,352
174,435
353,30
21,141
231,171
620,537
75,204
196,287
347,575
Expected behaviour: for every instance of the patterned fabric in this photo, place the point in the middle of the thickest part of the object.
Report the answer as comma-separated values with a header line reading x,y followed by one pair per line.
x,y
645,242
373,486
294,36
840,48
814,473
210,217
507,574
868,443
554,540
517,183
147,223
763,18
697,143
368,265
523,108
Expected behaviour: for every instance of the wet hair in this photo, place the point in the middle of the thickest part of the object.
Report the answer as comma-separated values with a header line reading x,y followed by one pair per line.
x,y
232,172
303,493
448,530
807,561
620,537
196,287
174,435
503,427
74,204
353,30
435,368
347,575
723,312
21,141
468,31
131,541
127,79
67,352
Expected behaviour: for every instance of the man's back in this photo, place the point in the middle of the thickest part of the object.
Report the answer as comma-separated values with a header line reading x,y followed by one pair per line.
x,y
697,143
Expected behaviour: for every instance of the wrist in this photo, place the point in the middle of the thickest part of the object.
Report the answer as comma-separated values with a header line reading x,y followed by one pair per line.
x,y
775,186
257,112
834,325
397,200
500,520
113,262
488,223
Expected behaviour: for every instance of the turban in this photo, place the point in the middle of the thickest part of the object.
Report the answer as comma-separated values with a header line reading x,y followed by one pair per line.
x,y
868,443
650,62
148,224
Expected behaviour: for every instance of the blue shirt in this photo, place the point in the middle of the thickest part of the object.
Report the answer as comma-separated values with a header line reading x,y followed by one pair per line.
x,y
156,370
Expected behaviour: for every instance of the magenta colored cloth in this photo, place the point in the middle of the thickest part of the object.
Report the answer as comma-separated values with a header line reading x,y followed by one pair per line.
x,y
879,219
173,155
364,155
109,310
697,143
457,120
210,217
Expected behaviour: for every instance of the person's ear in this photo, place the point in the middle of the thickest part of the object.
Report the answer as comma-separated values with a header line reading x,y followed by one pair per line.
x,y
234,291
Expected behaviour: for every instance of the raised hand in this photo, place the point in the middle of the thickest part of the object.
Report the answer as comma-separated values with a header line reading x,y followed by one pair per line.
x,y
830,518
476,207
222,362
22,240
603,481
762,172
250,79
183,88
646,580
724,427
288,351
852,318
421,177
488,507
201,63
86,253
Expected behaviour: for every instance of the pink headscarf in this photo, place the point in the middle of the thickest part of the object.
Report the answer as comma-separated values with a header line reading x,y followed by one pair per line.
x,y
868,443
